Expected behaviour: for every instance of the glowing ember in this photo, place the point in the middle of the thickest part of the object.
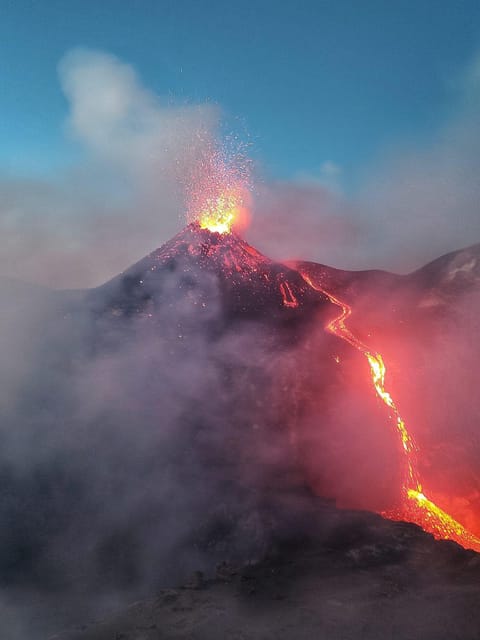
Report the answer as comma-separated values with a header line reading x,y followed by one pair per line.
x,y
415,506
218,190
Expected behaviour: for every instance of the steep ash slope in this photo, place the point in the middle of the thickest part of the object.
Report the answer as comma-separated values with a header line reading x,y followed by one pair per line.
x,y
250,285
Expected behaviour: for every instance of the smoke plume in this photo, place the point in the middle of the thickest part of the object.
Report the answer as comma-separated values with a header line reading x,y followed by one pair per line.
x,y
126,194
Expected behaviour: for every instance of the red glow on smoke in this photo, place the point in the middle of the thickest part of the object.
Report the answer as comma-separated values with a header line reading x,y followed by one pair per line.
x,y
219,201
415,505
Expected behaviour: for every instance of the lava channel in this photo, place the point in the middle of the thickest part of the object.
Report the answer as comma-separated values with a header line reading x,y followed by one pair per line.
x,y
415,506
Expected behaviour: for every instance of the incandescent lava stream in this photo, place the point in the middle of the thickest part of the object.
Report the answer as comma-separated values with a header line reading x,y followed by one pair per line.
x,y
415,506
211,238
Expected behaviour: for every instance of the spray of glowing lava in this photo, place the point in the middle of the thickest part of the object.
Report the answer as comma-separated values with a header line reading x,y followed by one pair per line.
x,y
220,213
219,189
415,506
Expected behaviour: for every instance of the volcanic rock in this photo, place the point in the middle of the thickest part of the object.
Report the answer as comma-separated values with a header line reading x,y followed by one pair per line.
x,y
193,264
353,576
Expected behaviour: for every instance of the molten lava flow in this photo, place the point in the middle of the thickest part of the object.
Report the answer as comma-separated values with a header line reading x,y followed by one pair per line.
x,y
289,299
415,506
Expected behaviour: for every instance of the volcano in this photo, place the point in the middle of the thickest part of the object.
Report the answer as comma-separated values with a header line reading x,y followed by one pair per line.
x,y
208,402
217,280
250,285
326,331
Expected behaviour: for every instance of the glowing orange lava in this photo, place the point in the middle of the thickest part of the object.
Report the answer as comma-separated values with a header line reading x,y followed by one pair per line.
x,y
289,299
221,212
219,188
415,506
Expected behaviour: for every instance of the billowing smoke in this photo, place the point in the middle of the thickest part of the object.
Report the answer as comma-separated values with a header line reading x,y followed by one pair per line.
x,y
100,477
147,431
136,447
125,195
127,441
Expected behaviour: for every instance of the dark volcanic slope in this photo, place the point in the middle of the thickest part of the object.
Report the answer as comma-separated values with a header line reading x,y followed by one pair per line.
x,y
440,280
353,577
251,285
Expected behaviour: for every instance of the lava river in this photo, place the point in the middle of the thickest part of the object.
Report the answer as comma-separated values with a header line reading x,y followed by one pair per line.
x,y
415,506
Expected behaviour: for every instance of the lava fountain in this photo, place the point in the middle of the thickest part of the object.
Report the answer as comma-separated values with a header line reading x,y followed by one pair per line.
x,y
218,194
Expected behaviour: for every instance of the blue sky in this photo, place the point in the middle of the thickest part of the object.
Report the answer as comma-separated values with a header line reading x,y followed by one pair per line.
x,y
363,119
309,82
